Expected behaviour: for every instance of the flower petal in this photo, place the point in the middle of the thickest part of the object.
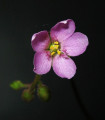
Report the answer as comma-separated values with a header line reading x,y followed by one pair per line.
x,y
64,66
40,41
76,44
62,30
42,62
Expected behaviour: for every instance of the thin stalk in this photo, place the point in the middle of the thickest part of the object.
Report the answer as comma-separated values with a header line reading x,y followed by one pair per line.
x,y
36,80
83,109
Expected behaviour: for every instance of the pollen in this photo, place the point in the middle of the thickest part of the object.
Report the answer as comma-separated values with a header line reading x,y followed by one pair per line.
x,y
59,52
56,42
53,47
52,53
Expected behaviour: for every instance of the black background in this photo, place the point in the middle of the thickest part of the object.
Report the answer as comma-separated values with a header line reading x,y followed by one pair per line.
x,y
77,99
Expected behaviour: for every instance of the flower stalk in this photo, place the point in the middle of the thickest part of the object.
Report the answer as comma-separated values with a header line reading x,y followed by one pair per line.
x,y
35,82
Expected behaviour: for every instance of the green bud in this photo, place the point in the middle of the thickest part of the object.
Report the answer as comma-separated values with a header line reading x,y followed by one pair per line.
x,y
43,93
16,85
27,95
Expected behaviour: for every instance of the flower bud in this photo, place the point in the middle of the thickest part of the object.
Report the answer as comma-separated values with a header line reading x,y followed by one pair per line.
x,y
16,85
43,93
27,95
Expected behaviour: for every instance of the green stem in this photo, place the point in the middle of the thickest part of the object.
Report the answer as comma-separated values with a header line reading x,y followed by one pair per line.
x,y
26,85
36,80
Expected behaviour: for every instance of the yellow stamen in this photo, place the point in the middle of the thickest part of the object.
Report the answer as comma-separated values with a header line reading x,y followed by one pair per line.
x,y
56,46
53,47
52,53
59,52
56,42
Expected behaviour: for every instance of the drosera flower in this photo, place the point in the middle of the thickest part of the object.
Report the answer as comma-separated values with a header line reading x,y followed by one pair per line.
x,y
56,49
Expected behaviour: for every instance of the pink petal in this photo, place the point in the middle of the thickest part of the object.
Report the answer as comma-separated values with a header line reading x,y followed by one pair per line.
x,y
62,30
40,41
42,62
64,66
76,44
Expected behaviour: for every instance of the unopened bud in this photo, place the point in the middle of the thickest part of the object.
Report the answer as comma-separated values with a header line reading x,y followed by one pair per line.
x,y
16,85
27,96
43,93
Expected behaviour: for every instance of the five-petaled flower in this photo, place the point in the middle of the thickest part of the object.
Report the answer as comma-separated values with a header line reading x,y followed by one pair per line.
x,y
56,48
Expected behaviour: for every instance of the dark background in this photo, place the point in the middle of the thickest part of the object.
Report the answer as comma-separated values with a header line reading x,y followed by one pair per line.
x,y
77,99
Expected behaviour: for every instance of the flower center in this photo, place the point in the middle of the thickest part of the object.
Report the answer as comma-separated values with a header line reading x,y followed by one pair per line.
x,y
55,48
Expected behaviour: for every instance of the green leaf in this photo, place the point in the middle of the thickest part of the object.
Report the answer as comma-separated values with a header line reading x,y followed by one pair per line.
x,y
16,85
44,93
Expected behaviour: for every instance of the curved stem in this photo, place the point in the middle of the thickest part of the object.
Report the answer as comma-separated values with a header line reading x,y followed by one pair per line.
x,y
80,102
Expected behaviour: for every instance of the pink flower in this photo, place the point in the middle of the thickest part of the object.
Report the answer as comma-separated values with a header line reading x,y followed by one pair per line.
x,y
56,48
